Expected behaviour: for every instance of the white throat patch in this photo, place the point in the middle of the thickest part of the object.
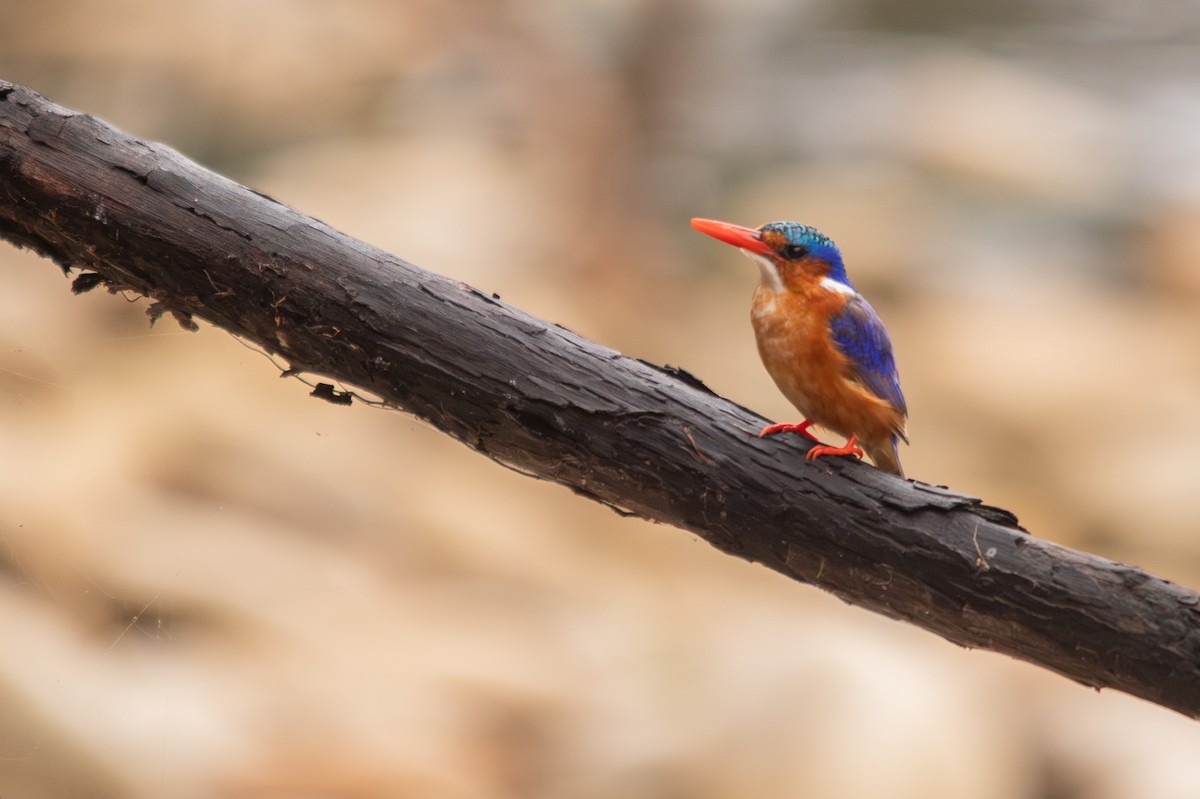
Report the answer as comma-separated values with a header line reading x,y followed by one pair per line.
x,y
769,271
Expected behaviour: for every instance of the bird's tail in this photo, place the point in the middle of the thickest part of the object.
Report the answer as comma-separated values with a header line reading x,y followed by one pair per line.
x,y
886,456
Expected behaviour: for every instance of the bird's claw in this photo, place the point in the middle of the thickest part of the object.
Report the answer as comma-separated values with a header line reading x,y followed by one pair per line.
x,y
821,450
787,427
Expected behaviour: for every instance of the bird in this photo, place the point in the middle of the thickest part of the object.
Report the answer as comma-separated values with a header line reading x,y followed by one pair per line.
x,y
821,341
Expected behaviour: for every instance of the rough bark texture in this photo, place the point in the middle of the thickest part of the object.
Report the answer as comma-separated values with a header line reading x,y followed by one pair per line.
x,y
645,440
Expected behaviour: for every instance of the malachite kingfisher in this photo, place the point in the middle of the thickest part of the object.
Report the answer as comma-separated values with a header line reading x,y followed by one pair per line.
x,y
822,343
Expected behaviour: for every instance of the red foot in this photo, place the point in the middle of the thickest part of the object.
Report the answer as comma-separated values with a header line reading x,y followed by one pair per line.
x,y
821,450
801,428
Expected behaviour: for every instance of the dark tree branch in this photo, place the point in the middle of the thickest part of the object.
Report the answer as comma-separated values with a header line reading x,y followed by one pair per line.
x,y
642,439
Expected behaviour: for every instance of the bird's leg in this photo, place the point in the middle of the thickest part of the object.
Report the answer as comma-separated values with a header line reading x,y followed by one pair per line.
x,y
786,427
821,450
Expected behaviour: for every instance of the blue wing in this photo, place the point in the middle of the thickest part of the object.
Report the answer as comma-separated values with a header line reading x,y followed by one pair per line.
x,y
862,338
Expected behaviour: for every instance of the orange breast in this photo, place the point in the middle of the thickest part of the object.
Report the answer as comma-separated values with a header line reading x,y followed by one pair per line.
x,y
792,330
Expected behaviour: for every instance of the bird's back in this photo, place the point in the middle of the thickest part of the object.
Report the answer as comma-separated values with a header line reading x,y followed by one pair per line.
x,y
795,340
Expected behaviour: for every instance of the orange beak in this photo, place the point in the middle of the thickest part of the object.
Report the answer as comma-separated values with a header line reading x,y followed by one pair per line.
x,y
744,237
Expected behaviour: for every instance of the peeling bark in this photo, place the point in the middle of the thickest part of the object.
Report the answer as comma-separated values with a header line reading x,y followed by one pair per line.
x,y
645,440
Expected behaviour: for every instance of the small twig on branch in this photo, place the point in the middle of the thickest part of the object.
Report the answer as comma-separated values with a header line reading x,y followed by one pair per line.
x,y
642,439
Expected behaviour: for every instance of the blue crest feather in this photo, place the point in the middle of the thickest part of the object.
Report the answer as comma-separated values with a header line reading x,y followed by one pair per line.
x,y
819,246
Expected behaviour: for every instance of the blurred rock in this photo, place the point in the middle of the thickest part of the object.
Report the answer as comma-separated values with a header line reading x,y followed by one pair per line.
x,y
1169,258
1005,126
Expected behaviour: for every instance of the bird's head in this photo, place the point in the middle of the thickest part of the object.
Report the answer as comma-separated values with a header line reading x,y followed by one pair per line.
x,y
788,254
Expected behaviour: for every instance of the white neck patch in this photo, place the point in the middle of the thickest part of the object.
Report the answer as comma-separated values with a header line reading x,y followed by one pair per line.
x,y
833,285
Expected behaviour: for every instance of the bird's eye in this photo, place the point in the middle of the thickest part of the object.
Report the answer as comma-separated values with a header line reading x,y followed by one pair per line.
x,y
794,252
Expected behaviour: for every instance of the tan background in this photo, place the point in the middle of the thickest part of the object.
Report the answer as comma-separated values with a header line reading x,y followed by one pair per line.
x,y
213,585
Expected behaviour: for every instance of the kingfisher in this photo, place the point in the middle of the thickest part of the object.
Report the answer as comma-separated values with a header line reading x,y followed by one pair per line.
x,y
821,341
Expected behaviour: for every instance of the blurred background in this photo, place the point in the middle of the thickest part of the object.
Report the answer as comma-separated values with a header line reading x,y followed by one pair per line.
x,y
214,585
